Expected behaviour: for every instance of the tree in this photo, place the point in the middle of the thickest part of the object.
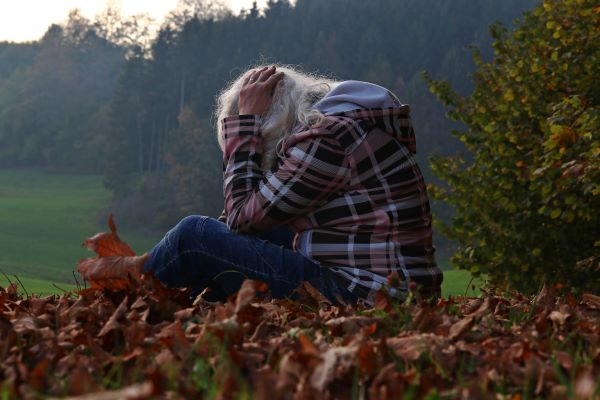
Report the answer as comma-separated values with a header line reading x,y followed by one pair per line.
x,y
528,201
197,185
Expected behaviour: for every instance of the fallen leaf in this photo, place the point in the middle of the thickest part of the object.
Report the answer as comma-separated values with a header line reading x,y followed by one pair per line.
x,y
112,272
136,391
351,324
591,300
247,293
107,244
410,348
564,359
559,317
309,294
460,327
585,386
335,360
113,322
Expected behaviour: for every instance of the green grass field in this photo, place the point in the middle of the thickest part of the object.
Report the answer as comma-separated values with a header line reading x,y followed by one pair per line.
x,y
44,218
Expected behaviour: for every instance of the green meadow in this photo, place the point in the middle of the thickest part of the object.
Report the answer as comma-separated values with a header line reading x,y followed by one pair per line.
x,y
44,218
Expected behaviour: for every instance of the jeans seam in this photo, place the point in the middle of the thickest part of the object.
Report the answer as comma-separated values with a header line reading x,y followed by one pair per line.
x,y
210,255
264,260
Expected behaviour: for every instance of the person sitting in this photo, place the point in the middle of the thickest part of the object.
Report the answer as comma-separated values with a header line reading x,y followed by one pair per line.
x,y
333,162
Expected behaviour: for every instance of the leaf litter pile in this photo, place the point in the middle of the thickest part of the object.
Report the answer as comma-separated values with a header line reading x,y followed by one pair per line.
x,y
127,337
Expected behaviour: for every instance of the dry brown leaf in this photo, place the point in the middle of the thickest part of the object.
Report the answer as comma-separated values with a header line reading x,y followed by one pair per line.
x,y
310,295
409,348
559,317
247,293
113,322
591,300
112,272
460,327
174,337
335,360
116,267
585,386
107,244
350,325
136,391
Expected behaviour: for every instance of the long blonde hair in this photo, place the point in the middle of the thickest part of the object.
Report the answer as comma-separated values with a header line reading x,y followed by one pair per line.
x,y
292,107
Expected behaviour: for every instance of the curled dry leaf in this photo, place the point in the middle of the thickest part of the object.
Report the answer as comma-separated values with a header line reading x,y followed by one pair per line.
x,y
460,327
136,391
108,244
586,386
411,347
309,294
591,300
116,267
247,293
112,272
113,322
335,360
559,317
350,324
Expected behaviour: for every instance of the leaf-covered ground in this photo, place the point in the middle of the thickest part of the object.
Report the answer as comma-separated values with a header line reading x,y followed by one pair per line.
x,y
133,338
156,343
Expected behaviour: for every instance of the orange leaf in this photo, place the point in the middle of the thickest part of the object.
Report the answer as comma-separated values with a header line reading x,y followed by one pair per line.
x,y
114,273
116,267
108,244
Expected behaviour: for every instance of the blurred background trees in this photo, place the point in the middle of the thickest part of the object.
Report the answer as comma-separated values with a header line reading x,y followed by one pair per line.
x,y
114,97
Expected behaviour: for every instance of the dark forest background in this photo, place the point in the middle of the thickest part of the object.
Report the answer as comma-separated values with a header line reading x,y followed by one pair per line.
x,y
108,96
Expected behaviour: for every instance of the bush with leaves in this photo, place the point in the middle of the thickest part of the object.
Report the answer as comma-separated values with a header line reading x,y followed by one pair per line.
x,y
526,201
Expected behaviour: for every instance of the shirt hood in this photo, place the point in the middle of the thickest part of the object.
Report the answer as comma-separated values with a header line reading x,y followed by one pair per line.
x,y
373,106
352,95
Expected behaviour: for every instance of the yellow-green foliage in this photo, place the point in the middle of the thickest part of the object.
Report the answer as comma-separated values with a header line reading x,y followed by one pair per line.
x,y
526,204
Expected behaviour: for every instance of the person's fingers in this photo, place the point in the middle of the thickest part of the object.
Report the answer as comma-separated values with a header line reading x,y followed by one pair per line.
x,y
247,79
259,72
266,74
274,79
253,76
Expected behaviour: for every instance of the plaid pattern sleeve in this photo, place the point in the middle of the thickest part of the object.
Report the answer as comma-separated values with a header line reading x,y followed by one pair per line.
x,y
351,190
312,170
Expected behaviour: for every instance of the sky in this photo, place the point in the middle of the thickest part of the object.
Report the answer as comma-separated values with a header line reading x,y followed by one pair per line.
x,y
24,20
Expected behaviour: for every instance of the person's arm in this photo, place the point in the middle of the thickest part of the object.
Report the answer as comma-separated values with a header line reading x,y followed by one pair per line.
x,y
311,171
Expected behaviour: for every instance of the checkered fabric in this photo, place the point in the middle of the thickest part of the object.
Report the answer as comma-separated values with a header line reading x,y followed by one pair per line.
x,y
350,189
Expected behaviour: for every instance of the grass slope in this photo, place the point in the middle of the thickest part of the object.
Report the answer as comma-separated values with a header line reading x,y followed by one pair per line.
x,y
44,218
29,286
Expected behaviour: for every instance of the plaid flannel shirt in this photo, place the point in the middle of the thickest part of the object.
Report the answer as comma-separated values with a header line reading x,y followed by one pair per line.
x,y
350,189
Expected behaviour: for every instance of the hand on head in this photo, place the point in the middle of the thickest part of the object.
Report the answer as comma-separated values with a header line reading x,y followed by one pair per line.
x,y
257,90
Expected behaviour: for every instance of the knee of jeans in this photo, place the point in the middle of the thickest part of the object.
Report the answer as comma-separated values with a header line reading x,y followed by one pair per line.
x,y
187,226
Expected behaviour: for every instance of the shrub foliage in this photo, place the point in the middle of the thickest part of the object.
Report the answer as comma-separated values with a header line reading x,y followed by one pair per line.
x,y
526,201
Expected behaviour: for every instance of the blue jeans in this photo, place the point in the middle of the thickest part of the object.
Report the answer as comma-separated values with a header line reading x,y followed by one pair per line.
x,y
202,252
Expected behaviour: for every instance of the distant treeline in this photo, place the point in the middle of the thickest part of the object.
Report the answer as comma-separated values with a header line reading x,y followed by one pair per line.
x,y
97,96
